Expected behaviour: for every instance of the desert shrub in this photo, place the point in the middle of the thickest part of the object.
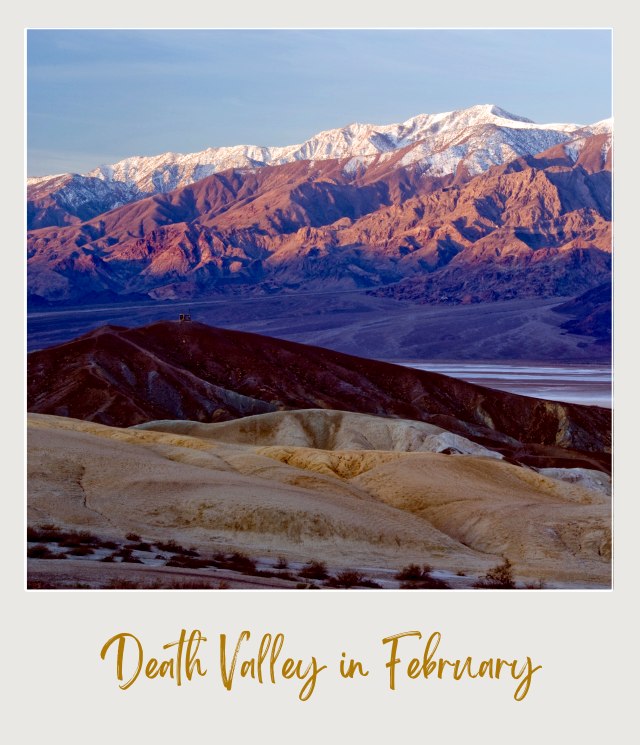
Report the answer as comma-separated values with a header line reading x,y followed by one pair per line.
x,y
314,570
127,557
187,562
81,551
346,578
220,557
498,578
501,574
73,538
235,562
170,546
350,578
460,573
87,538
66,538
537,585
141,546
43,534
413,573
42,552
109,544
69,542
240,562
132,537
131,560
414,577
108,559
175,548
281,563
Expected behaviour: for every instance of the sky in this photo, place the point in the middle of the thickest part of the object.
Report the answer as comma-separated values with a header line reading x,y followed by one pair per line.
x,y
96,96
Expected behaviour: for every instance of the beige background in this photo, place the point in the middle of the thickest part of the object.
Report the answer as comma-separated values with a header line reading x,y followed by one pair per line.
x,y
56,689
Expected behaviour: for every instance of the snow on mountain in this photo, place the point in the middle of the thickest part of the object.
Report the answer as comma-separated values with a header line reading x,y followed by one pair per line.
x,y
477,138
573,148
451,136
605,126
68,197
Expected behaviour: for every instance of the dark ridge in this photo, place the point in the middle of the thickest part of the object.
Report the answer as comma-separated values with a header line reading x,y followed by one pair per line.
x,y
173,370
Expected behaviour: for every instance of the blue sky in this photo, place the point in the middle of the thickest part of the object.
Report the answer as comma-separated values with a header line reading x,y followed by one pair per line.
x,y
95,97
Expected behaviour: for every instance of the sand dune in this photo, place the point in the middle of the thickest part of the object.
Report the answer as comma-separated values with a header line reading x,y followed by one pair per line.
x,y
351,489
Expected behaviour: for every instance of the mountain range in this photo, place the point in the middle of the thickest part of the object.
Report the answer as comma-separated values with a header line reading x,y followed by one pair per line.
x,y
466,206
477,137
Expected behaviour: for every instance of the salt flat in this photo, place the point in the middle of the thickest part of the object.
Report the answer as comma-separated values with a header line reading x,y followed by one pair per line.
x,y
588,385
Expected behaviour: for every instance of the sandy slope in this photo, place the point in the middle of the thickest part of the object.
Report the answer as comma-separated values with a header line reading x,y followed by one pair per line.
x,y
353,490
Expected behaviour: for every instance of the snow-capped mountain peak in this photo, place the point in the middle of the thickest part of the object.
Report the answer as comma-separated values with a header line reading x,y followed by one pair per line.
x,y
477,138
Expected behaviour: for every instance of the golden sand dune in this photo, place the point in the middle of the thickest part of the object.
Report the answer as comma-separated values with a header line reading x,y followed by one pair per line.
x,y
368,493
